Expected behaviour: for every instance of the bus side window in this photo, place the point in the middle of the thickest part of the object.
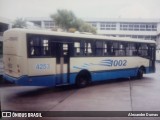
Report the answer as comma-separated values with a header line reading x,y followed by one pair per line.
x,y
131,49
143,50
32,51
88,48
121,49
116,48
45,48
38,46
110,49
33,48
105,46
76,48
99,48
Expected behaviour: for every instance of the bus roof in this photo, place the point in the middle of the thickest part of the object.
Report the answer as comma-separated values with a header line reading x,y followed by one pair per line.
x,y
78,35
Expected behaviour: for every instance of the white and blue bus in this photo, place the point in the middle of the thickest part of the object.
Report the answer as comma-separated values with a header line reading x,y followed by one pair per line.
x,y
48,58
158,55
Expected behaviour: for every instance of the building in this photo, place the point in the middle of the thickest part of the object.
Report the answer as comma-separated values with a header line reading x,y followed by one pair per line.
x,y
42,22
5,24
158,47
118,27
134,28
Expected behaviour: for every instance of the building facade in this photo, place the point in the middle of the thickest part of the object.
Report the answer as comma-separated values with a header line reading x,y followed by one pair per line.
x,y
5,24
42,22
134,28
146,29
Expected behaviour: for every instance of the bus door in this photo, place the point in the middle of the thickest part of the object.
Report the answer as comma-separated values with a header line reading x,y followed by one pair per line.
x,y
62,63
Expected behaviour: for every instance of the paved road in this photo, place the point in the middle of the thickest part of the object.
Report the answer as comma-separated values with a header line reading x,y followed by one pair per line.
x,y
123,95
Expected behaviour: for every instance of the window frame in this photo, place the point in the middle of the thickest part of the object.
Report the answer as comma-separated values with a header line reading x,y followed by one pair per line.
x,y
40,46
107,47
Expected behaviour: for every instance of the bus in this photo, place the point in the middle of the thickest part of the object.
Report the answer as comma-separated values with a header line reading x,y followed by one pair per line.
x,y
49,58
158,55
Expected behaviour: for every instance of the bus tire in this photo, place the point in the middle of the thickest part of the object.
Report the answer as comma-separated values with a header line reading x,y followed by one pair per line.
x,y
83,79
140,73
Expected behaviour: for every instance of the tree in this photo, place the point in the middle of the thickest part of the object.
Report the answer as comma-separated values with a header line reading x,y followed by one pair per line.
x,y
19,23
69,22
85,27
64,19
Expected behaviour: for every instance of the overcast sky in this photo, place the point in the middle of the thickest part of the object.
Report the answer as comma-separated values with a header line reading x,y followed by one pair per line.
x,y
13,9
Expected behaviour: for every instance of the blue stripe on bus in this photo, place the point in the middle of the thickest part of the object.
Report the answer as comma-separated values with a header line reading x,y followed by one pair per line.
x,y
51,80
108,75
47,80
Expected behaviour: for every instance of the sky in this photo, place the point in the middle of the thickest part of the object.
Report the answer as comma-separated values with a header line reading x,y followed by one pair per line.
x,y
13,9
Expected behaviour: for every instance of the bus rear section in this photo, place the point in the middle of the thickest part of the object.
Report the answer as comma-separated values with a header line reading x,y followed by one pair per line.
x,y
13,56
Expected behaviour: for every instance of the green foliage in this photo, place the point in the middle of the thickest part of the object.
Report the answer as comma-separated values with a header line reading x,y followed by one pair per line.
x,y
19,23
67,20
64,19
87,28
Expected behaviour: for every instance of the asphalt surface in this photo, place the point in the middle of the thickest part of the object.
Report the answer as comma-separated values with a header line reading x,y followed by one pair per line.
x,y
119,95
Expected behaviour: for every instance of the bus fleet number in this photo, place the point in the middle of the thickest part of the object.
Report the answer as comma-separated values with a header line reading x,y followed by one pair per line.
x,y
42,66
119,63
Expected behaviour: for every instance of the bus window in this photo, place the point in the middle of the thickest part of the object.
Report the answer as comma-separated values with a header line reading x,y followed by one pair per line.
x,y
76,49
121,49
110,48
99,48
143,50
45,50
128,50
38,46
131,49
88,49
105,48
115,48
33,48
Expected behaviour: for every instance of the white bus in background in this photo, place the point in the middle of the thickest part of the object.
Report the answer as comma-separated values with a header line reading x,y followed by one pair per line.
x,y
47,58
158,55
